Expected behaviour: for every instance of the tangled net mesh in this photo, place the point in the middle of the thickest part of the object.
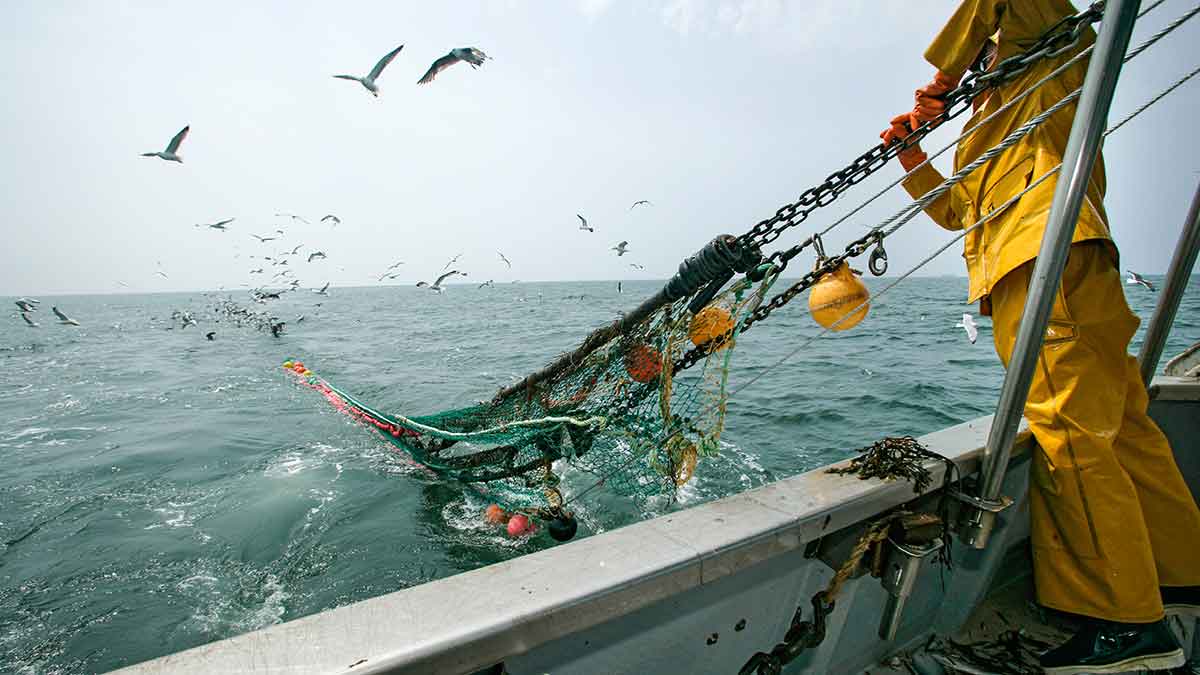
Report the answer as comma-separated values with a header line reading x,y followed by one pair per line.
x,y
619,413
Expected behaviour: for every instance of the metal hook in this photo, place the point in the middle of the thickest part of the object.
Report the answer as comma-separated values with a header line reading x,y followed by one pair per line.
x,y
879,261
819,246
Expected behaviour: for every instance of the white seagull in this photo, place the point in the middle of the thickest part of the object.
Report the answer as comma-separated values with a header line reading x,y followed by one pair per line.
x,y
394,265
324,290
471,55
263,240
506,262
32,302
639,203
637,266
219,225
452,261
369,80
436,286
621,248
583,224
25,306
489,283
171,154
316,255
63,318
1135,278
333,219
28,321
968,324
292,216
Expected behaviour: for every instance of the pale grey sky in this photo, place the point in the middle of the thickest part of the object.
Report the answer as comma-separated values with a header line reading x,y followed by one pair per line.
x,y
717,111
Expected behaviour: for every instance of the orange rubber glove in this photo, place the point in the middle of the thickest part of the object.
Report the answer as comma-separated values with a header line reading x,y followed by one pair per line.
x,y
898,131
929,103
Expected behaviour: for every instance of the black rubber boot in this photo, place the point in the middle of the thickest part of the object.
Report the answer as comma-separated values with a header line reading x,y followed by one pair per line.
x,y
1181,600
1103,647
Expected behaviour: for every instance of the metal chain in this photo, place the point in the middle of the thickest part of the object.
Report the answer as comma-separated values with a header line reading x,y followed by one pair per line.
x,y
801,634
1062,37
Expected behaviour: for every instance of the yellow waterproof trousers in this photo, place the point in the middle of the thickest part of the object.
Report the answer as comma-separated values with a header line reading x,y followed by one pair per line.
x,y
1112,518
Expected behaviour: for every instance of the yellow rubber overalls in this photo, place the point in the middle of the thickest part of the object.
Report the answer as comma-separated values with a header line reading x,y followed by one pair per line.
x,y
1112,518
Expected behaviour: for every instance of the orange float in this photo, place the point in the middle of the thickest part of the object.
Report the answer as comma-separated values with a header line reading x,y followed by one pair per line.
x,y
643,363
710,323
835,296
496,515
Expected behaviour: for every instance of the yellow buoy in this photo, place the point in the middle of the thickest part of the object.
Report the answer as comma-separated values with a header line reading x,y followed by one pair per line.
x,y
835,296
710,323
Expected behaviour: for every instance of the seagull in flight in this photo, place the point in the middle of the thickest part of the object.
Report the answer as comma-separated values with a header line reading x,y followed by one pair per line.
x,y
219,225
324,290
316,255
28,321
394,265
1135,278
162,274
583,224
452,261
32,302
171,154
506,262
333,219
436,286
292,216
639,203
637,266
25,306
471,55
296,250
257,271
263,240
489,283
63,318
621,248
968,324
369,80
387,275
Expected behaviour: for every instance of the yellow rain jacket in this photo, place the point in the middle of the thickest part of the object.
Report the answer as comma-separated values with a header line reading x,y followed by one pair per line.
x,y
1111,517
1011,238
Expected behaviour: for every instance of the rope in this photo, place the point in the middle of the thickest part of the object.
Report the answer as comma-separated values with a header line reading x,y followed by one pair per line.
x,y
1017,99
877,532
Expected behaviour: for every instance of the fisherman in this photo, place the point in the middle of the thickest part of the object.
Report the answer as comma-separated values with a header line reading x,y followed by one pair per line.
x,y
1116,533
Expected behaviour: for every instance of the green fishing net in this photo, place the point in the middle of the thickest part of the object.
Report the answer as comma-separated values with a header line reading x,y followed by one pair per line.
x,y
619,413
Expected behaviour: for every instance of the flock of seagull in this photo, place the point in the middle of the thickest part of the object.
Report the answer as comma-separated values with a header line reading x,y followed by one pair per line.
x,y
472,57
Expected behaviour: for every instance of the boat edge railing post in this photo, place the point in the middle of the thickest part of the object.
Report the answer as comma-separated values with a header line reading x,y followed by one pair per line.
x,y
1178,275
1083,146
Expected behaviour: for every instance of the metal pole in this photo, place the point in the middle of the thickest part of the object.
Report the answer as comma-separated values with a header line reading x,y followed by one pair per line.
x,y
1080,156
1168,303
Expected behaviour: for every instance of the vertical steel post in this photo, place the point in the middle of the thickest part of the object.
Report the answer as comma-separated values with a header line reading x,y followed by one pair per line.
x,y
1178,276
1078,160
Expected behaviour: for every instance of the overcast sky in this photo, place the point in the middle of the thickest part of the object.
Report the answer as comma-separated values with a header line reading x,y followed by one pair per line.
x,y
718,111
